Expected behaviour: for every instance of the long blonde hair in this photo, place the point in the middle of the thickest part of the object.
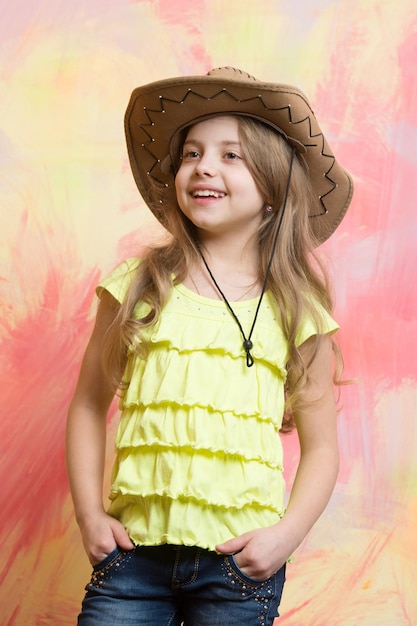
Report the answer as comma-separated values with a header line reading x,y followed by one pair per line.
x,y
297,278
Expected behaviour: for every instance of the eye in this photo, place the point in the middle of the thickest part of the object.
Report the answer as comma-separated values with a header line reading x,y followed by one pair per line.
x,y
232,156
191,154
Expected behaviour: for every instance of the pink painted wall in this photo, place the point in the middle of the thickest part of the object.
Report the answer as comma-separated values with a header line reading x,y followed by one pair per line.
x,y
70,211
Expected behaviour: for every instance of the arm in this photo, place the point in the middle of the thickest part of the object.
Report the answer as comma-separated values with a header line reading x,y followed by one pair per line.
x,y
264,551
86,442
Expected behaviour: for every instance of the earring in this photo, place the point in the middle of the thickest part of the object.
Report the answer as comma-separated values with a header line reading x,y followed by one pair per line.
x,y
268,208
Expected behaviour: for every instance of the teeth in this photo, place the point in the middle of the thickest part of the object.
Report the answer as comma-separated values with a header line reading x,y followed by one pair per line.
x,y
208,193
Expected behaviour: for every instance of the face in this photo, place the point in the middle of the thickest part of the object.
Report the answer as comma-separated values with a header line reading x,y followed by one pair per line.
x,y
214,186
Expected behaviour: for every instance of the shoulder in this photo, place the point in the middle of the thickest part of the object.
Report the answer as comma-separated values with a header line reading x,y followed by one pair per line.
x,y
315,320
118,281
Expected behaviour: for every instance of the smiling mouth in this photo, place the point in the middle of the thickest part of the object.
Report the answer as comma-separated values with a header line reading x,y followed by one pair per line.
x,y
207,193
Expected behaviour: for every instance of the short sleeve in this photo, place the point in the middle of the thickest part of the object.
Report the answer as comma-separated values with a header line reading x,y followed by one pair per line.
x,y
319,324
118,281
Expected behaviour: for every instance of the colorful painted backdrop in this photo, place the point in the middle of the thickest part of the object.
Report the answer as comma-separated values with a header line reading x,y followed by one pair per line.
x,y
70,211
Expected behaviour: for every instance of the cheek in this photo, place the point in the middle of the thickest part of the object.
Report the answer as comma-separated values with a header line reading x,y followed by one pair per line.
x,y
179,183
180,190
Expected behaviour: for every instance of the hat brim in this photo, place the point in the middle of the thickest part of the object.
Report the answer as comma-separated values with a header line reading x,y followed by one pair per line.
x,y
157,111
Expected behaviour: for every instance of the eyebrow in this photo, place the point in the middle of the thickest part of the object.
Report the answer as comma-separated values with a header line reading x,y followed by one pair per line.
x,y
223,143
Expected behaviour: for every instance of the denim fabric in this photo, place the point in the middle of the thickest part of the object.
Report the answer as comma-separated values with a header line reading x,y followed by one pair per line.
x,y
167,585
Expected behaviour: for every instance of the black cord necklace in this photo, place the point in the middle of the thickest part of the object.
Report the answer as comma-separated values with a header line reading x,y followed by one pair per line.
x,y
247,341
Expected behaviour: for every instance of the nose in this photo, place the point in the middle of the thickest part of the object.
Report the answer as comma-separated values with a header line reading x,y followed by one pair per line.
x,y
205,166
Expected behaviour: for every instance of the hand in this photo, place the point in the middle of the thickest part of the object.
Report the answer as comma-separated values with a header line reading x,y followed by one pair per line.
x,y
101,534
261,552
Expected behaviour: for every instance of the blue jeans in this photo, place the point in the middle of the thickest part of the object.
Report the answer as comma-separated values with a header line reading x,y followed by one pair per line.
x,y
167,585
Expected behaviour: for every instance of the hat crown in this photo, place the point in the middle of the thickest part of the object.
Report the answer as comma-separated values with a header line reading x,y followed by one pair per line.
x,y
231,73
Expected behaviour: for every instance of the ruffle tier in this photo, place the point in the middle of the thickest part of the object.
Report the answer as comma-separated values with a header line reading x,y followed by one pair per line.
x,y
155,520
199,475
193,323
201,429
202,379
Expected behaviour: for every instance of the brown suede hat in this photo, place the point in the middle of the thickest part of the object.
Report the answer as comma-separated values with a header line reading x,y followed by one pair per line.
x,y
157,111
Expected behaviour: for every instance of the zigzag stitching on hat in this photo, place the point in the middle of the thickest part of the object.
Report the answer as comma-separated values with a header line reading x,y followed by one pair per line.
x,y
320,137
150,139
331,181
255,98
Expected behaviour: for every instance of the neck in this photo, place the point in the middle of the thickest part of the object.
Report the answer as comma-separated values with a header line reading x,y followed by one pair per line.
x,y
231,254
240,282
236,269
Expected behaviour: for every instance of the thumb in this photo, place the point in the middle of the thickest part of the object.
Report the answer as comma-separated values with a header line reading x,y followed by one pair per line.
x,y
121,537
232,545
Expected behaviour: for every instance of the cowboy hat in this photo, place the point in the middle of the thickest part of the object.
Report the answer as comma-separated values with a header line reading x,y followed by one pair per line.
x,y
159,110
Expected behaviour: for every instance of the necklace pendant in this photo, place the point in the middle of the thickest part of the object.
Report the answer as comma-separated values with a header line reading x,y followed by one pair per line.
x,y
248,345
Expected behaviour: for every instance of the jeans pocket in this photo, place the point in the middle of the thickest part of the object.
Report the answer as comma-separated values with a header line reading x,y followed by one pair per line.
x,y
107,559
109,568
244,577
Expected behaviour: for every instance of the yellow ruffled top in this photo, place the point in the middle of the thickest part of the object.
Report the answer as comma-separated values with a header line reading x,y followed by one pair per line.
x,y
198,453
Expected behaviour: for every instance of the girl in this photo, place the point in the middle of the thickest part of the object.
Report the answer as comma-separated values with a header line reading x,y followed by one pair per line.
x,y
217,340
